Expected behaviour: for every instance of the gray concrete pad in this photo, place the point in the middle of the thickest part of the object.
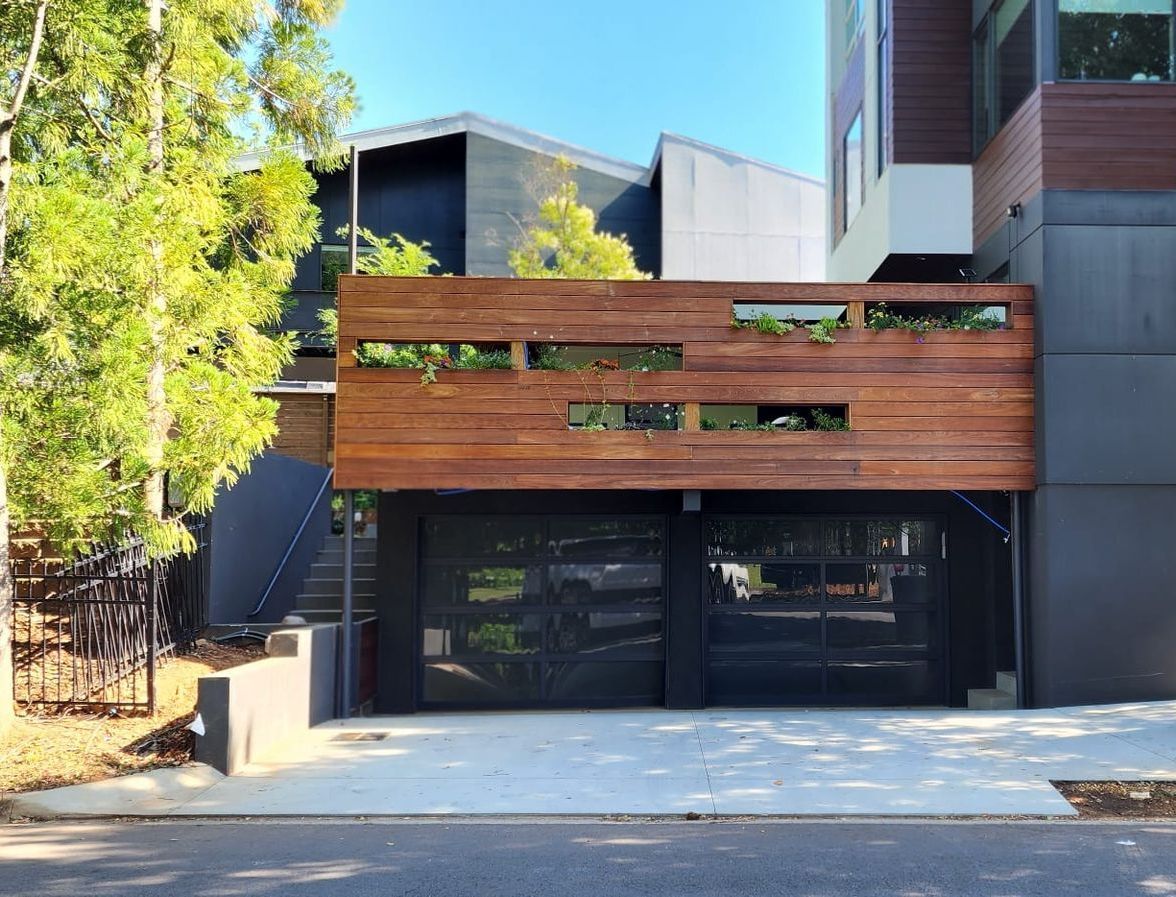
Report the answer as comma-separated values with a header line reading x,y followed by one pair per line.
x,y
771,762
155,792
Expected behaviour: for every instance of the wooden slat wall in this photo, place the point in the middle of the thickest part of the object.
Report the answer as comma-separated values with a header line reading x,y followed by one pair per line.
x,y
931,66
952,412
1009,169
305,427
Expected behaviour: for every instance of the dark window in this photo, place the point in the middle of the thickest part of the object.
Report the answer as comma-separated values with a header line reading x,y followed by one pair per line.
x,y
333,262
854,173
765,536
883,156
480,586
1115,40
1004,69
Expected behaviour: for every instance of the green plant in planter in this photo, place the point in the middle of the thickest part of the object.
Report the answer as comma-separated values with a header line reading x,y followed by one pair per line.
x,y
471,358
822,331
748,426
708,423
549,358
882,318
823,420
765,323
794,423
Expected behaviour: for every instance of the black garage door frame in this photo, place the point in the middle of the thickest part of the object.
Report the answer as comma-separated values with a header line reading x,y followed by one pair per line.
x,y
541,613
941,610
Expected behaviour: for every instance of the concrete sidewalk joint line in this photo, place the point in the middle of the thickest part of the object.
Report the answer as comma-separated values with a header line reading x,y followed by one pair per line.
x,y
829,763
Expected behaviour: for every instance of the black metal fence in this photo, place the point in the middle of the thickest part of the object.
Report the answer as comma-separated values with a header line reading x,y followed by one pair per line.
x,y
91,633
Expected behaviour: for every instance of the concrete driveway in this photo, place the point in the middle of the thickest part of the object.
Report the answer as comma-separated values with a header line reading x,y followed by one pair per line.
x,y
790,762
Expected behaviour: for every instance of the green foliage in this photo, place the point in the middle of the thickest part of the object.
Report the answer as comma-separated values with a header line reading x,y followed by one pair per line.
x,y
141,279
430,358
708,423
823,331
751,426
823,420
564,243
766,323
881,317
390,257
656,358
794,422
550,358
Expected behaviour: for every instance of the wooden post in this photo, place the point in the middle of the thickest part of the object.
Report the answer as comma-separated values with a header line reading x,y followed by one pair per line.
x,y
856,314
518,356
693,419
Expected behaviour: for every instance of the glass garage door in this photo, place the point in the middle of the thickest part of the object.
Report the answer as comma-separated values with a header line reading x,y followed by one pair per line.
x,y
825,611
541,611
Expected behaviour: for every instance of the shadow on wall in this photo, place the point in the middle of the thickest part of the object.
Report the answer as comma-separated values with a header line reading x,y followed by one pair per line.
x,y
252,525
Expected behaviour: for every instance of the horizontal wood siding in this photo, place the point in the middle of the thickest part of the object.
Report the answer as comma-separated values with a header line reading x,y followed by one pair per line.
x,y
931,77
1098,136
954,411
305,427
1009,170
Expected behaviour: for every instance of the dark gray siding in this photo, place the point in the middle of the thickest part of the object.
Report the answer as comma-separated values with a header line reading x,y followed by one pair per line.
x,y
497,198
1102,615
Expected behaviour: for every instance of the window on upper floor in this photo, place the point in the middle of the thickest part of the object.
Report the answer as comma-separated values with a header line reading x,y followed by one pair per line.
x,y
854,169
1115,40
333,262
854,21
883,99
1004,69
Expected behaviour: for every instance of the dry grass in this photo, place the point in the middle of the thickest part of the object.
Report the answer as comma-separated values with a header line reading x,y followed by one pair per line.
x,y
1113,800
50,751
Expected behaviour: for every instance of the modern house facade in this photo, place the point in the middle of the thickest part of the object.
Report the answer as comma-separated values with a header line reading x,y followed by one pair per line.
x,y
688,493
466,183
1032,141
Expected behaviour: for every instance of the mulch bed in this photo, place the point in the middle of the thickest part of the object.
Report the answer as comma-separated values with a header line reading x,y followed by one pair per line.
x,y
1113,800
51,750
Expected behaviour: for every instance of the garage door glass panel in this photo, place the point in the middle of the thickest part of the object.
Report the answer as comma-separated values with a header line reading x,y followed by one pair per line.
x,y
597,633
480,683
889,682
605,538
470,537
466,635
764,632
603,583
877,630
481,585
761,682
763,538
873,538
628,681
901,583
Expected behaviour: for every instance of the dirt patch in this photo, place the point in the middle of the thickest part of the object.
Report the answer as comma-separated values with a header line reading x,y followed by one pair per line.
x,y
1115,800
45,751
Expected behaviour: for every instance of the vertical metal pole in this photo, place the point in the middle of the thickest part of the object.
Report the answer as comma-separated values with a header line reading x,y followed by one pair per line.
x,y
345,636
353,214
1017,548
152,600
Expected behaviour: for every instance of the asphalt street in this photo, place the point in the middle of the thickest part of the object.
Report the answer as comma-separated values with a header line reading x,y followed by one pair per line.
x,y
474,859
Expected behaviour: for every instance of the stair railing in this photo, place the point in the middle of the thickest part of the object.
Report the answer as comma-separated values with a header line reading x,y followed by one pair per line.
x,y
293,544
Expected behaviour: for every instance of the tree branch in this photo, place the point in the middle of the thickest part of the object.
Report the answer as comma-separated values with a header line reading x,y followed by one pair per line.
x,y
26,75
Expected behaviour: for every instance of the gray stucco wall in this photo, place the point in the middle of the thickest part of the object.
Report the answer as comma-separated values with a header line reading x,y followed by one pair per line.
x,y
1102,600
252,525
497,175
726,217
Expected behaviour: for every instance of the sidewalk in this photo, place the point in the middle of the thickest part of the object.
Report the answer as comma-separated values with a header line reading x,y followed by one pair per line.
x,y
737,762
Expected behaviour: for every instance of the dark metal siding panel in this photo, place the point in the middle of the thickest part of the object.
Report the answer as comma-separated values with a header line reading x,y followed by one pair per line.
x,y
498,200
931,75
1101,625
848,99
685,662
396,587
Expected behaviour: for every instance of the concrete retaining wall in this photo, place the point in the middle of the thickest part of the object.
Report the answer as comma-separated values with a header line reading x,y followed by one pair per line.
x,y
249,709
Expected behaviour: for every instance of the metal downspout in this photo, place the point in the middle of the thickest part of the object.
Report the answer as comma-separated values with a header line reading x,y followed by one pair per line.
x,y
345,636
1017,544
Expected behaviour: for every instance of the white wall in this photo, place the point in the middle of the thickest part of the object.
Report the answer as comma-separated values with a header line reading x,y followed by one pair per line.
x,y
727,217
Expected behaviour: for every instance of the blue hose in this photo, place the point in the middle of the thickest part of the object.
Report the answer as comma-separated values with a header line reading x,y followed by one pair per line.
x,y
975,507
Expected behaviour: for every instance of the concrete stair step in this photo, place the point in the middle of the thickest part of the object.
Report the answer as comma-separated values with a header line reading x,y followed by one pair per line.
x,y
1007,682
320,570
336,543
332,616
990,699
329,602
335,586
336,557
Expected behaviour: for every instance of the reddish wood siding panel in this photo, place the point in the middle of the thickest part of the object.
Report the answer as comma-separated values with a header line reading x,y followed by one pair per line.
x,y
1108,136
1009,170
955,411
305,427
931,78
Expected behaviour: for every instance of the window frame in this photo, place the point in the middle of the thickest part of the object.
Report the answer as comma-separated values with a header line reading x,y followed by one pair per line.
x,y
847,220
883,98
993,123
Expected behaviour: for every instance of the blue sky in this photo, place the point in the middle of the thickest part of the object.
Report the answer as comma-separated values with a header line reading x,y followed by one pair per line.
x,y
746,75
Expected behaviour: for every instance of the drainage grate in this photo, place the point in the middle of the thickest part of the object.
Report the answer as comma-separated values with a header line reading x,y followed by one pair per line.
x,y
360,736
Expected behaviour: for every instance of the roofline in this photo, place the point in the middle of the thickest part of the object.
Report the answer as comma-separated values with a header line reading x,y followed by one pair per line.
x,y
474,123
670,136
